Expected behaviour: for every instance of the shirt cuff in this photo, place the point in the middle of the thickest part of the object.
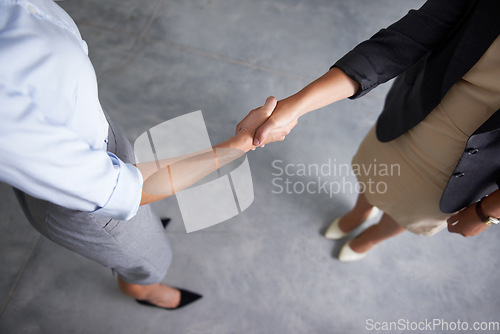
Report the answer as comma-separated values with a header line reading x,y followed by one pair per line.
x,y
126,197
359,69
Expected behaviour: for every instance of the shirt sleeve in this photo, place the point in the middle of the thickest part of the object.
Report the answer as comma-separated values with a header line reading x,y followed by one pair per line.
x,y
49,161
393,50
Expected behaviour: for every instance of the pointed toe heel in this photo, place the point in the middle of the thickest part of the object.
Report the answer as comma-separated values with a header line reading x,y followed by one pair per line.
x,y
333,232
347,254
187,297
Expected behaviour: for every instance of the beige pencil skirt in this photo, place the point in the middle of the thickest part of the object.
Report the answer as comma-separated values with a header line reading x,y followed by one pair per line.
x,y
411,172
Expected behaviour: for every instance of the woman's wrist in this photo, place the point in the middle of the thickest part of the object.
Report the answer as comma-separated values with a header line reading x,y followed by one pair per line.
x,y
241,141
491,205
297,104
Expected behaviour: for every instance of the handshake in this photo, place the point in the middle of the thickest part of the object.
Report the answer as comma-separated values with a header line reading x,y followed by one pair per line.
x,y
263,125
275,119
266,124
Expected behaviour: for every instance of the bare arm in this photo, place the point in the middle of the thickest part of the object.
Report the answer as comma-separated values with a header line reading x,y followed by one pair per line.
x,y
176,175
333,86
169,176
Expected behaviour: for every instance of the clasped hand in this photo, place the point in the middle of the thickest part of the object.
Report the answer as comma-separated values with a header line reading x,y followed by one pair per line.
x,y
269,123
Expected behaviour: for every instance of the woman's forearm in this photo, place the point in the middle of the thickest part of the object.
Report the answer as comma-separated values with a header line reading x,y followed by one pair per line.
x,y
333,86
166,177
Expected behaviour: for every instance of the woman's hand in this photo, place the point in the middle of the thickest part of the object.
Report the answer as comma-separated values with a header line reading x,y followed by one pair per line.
x,y
255,118
466,222
280,122
271,122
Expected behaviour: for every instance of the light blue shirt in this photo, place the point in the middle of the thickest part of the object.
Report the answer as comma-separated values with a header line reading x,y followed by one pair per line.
x,y
53,132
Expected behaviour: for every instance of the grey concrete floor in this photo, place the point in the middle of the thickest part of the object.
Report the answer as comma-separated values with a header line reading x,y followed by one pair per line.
x,y
267,270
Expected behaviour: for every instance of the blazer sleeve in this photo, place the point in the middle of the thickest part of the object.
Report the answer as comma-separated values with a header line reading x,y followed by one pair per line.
x,y
393,50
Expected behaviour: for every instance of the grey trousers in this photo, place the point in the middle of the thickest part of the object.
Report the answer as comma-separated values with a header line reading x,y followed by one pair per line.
x,y
137,249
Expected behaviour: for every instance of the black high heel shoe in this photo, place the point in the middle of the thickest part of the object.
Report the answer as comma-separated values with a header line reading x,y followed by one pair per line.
x,y
187,297
165,221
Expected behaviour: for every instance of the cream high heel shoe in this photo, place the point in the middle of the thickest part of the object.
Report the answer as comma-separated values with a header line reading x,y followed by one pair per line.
x,y
334,232
347,254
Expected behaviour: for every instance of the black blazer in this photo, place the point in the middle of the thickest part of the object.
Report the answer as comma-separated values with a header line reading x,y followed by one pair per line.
x,y
429,50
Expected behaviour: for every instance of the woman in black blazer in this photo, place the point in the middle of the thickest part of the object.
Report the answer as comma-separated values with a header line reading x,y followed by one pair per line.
x,y
440,123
